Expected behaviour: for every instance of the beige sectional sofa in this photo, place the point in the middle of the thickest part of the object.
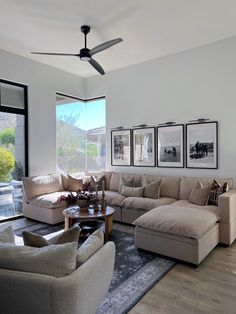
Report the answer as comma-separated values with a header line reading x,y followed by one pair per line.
x,y
174,194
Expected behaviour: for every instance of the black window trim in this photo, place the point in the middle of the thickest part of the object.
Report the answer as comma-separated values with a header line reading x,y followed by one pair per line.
x,y
80,99
20,111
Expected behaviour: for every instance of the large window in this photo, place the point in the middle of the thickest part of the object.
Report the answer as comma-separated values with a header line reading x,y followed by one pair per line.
x,y
81,134
13,147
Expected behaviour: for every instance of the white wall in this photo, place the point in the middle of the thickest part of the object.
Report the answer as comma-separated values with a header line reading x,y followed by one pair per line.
x,y
43,83
197,83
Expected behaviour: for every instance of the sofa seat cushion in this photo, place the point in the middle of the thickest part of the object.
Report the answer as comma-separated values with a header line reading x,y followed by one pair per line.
x,y
182,221
185,203
112,198
49,200
145,203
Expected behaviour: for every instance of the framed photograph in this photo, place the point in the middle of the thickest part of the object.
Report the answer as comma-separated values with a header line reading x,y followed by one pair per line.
x,y
170,143
144,153
120,147
202,145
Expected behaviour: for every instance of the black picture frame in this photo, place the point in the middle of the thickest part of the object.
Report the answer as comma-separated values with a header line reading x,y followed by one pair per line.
x,y
121,142
144,147
170,146
202,145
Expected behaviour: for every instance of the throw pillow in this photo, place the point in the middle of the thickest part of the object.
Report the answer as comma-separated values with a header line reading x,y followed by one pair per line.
x,y
152,190
130,181
132,192
94,242
35,240
75,184
86,183
216,190
97,182
64,179
199,194
54,260
7,234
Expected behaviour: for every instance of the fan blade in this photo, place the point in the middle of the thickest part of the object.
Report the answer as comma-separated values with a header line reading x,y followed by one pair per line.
x,y
55,54
96,66
105,45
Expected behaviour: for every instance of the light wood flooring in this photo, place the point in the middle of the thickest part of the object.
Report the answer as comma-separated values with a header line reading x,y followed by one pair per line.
x,y
210,288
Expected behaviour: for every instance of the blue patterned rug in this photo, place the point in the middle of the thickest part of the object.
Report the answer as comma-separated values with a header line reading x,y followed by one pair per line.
x,y
136,271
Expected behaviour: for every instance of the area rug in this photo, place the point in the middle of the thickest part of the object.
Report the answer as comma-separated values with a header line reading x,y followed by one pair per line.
x,y
136,271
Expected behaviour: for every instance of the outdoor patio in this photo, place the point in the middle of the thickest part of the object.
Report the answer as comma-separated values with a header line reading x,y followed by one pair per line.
x,y
10,199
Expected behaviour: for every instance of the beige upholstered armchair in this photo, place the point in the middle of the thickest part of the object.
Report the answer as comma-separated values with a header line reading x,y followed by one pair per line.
x,y
79,293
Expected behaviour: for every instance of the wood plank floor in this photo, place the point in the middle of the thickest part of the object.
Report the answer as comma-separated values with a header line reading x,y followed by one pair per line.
x,y
210,288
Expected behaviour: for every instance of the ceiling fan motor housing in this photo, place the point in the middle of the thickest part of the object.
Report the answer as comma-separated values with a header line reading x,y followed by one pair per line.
x,y
84,54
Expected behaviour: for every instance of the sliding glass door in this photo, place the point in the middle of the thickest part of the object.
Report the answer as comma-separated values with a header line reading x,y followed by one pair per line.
x,y
13,147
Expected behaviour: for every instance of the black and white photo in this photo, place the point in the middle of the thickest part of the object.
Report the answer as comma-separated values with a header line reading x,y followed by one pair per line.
x,y
144,147
170,152
120,147
202,145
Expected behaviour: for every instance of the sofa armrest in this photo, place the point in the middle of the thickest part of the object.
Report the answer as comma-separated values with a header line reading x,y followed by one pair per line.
x,y
227,206
227,212
84,290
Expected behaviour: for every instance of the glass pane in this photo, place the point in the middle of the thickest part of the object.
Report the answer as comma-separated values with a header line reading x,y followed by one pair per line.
x,y
81,136
71,137
96,134
12,96
12,163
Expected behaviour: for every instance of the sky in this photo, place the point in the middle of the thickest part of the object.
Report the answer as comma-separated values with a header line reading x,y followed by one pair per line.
x,y
92,113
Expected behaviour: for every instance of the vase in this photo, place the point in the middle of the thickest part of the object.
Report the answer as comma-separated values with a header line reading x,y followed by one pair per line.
x,y
82,203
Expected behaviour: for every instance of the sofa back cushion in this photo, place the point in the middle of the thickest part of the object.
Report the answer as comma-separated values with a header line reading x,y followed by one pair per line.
x,y
115,181
187,184
35,186
107,175
53,260
170,187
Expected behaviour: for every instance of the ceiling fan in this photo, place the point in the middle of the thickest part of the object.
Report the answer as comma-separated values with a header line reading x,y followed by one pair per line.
x,y
85,53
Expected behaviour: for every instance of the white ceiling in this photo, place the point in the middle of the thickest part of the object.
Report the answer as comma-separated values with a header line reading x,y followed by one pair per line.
x,y
150,29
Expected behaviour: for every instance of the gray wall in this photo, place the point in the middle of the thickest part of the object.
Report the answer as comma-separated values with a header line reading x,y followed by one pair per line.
x,y
43,83
196,83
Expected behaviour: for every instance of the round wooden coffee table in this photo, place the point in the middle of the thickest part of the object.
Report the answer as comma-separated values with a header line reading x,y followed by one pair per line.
x,y
88,215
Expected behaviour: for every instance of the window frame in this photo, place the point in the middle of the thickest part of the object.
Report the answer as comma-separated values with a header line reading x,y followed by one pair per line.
x,y
19,111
